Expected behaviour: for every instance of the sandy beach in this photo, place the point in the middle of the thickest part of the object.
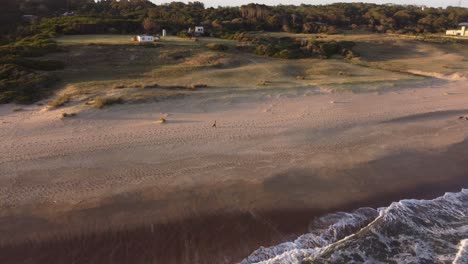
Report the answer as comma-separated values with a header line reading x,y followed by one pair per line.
x,y
275,160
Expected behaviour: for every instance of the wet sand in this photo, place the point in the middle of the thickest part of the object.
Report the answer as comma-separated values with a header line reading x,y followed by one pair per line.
x,y
222,236
114,186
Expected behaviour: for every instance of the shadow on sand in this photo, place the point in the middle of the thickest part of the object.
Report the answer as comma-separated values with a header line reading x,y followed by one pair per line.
x,y
228,235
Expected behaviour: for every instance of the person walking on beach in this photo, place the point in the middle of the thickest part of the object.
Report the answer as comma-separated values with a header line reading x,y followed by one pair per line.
x,y
214,124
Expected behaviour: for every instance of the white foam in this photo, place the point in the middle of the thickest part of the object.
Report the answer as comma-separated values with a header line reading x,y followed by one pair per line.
x,y
325,231
426,228
462,254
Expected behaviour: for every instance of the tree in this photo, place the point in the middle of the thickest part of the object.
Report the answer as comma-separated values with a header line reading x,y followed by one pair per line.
x,y
149,25
9,16
403,18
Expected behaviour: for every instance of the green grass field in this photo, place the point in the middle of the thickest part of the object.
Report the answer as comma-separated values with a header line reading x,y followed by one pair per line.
x,y
127,40
97,39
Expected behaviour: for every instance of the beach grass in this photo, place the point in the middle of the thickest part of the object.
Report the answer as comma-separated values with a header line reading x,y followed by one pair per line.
x,y
107,65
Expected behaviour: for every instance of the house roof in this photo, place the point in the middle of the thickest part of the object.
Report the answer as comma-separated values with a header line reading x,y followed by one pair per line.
x,y
463,24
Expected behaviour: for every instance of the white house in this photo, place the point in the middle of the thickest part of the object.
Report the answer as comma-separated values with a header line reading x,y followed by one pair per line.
x,y
144,38
199,30
463,32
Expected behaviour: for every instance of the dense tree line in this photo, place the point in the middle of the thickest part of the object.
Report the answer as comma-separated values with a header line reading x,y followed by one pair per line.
x,y
10,16
177,16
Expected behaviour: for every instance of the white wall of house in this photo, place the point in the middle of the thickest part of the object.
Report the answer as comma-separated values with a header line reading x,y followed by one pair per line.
x,y
145,38
199,30
463,32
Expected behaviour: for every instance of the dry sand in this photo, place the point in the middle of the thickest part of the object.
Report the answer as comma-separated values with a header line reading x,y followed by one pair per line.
x,y
275,158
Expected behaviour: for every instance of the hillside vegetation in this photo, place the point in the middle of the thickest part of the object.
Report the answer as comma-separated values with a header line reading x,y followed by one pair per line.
x,y
120,17
31,60
23,77
109,68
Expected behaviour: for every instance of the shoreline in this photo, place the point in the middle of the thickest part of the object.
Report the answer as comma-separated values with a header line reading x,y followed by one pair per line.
x,y
216,238
220,236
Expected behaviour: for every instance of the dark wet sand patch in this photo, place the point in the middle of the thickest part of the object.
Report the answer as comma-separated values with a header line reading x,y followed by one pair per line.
x,y
216,238
230,234
454,114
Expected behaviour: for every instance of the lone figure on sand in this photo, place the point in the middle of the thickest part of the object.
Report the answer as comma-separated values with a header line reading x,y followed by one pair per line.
x,y
214,124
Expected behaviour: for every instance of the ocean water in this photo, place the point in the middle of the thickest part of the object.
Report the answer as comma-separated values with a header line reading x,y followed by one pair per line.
x,y
408,231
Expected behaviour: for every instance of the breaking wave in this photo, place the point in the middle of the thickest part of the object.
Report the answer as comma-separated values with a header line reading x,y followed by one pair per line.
x,y
409,231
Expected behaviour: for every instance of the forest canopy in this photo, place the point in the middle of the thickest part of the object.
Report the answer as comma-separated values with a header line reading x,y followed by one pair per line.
x,y
177,16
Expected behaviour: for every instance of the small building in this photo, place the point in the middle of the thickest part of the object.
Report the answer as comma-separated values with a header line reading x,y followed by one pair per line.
x,y
463,32
196,31
144,38
199,30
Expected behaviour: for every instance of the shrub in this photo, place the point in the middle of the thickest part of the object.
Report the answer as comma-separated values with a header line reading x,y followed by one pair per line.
x,y
347,44
349,54
266,50
183,34
33,46
119,86
290,48
59,101
19,82
261,50
217,47
196,86
101,102
344,73
136,85
287,54
329,48
65,115
284,54
154,85
23,86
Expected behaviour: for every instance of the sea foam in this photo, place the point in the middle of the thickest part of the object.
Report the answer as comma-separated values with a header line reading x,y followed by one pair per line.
x,y
408,231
